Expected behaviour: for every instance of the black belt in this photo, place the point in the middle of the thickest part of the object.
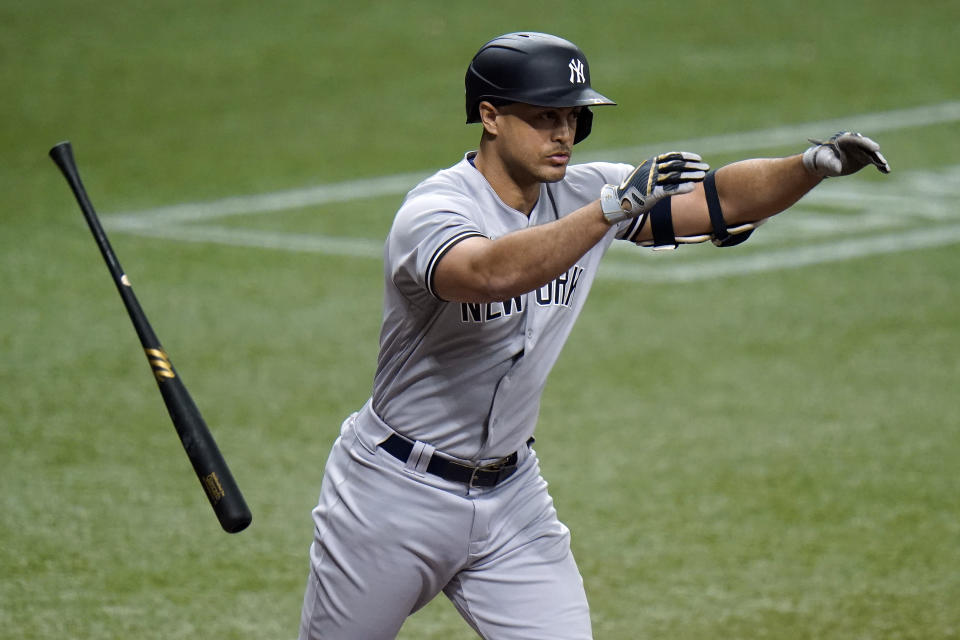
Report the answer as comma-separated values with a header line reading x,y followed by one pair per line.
x,y
489,475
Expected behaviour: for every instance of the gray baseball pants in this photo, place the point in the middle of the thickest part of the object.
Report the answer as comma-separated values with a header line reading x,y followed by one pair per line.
x,y
389,537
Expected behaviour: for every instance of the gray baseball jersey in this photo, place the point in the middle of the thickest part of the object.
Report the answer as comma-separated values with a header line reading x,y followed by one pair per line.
x,y
467,378
464,379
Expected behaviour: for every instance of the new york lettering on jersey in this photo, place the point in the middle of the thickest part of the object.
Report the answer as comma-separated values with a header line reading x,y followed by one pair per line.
x,y
559,292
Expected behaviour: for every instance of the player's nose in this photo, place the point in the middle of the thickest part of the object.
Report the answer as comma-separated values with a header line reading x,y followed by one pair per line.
x,y
565,131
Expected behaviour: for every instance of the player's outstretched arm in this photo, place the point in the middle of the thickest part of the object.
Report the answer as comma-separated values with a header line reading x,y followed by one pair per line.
x,y
749,191
745,193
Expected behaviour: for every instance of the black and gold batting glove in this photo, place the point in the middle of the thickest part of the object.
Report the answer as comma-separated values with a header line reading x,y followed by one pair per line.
x,y
658,177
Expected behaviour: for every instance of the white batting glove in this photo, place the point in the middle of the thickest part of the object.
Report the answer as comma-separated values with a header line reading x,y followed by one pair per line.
x,y
843,154
654,179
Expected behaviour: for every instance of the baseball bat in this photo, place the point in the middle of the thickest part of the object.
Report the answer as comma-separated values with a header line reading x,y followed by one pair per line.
x,y
208,463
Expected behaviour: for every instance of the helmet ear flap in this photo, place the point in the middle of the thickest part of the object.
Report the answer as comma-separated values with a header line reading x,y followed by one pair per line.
x,y
584,124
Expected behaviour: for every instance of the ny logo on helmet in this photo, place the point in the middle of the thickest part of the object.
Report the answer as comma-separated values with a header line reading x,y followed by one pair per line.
x,y
576,71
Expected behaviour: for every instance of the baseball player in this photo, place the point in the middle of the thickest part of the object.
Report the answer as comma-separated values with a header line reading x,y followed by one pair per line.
x,y
433,485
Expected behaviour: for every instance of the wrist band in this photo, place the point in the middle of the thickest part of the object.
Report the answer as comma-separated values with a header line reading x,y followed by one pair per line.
x,y
610,205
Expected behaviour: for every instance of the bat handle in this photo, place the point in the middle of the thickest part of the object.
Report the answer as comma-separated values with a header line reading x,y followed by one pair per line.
x,y
62,155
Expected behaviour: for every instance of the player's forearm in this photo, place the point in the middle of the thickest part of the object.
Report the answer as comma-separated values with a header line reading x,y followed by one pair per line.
x,y
751,190
748,190
519,262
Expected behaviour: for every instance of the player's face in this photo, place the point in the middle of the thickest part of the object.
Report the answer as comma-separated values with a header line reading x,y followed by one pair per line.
x,y
535,143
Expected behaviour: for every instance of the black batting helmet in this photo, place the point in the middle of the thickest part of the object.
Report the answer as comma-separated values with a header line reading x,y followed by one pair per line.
x,y
534,68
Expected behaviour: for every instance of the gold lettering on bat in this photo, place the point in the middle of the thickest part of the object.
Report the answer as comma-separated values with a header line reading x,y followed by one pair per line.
x,y
213,487
162,368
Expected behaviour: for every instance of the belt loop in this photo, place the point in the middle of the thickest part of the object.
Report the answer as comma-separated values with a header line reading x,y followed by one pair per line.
x,y
423,459
419,458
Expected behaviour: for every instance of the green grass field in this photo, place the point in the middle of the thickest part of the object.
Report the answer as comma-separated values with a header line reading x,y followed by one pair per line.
x,y
760,442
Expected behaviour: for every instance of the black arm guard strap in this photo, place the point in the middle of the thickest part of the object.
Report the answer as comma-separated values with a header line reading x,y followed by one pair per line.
x,y
661,225
721,237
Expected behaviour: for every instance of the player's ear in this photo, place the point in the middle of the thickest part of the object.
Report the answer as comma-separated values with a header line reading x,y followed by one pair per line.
x,y
488,116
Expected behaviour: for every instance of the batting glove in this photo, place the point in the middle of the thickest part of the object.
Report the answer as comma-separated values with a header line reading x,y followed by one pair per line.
x,y
656,178
843,154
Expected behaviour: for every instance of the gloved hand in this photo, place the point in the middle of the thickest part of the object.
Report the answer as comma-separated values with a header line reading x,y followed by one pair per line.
x,y
661,176
843,154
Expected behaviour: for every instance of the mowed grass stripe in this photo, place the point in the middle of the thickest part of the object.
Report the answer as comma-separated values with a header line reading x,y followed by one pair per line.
x,y
881,205
363,189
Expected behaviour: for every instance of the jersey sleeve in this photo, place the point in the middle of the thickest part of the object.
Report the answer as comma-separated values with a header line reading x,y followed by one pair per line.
x,y
424,230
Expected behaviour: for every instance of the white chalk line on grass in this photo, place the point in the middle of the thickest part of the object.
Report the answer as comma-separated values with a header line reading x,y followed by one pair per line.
x,y
790,258
866,208
877,205
723,266
280,240
361,189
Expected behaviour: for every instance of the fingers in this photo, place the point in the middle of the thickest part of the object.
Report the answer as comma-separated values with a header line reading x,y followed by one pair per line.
x,y
872,157
843,154
679,161
880,162
870,150
679,175
848,138
677,188
863,148
678,155
660,176
679,167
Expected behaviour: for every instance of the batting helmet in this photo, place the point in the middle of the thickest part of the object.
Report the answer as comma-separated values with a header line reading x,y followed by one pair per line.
x,y
533,68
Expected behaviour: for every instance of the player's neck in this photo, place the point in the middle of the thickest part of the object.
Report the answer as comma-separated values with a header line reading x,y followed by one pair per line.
x,y
519,192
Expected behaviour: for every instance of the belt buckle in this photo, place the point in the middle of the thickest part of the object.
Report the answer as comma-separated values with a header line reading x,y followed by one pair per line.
x,y
502,468
474,474
473,478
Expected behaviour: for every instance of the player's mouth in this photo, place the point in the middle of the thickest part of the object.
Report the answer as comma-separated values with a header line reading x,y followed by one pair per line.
x,y
559,157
